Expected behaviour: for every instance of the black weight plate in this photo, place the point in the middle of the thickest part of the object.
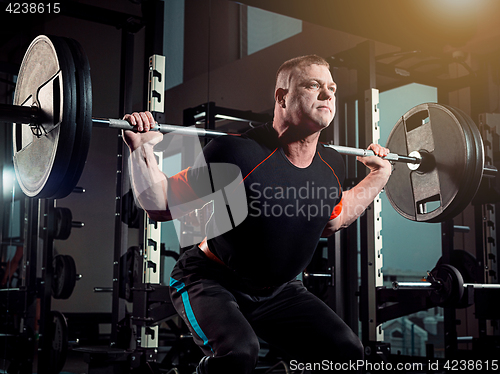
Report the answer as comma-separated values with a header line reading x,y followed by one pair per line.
x,y
473,178
71,274
452,286
467,266
63,223
64,280
58,282
59,335
460,201
46,79
435,194
466,263
83,119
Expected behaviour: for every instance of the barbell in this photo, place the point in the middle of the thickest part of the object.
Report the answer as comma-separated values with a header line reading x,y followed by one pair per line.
x,y
52,115
446,286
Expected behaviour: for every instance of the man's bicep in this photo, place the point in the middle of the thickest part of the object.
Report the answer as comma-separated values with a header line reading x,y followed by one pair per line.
x,y
187,190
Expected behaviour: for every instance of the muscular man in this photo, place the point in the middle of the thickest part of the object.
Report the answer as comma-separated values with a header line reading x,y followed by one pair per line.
x,y
241,284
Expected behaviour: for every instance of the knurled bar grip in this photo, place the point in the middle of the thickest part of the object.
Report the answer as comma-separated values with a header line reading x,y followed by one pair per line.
x,y
365,152
163,128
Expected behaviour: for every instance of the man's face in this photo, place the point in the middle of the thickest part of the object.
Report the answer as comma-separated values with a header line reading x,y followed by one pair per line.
x,y
310,99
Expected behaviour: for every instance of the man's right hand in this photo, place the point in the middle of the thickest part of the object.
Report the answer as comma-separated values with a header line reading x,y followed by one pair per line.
x,y
142,122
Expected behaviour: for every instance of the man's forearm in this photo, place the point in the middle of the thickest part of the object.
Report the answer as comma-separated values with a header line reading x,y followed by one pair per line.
x,y
356,200
148,181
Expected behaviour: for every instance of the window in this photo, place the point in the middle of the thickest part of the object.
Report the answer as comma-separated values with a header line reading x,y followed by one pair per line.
x,y
266,28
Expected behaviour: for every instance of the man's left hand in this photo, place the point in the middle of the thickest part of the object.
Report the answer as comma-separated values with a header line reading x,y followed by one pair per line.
x,y
375,163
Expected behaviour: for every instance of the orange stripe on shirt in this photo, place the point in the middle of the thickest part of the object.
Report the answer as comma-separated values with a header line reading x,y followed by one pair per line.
x,y
338,208
260,163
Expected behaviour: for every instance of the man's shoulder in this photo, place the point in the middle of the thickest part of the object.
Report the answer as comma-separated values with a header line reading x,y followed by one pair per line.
x,y
233,149
329,152
230,143
333,159
257,138
262,133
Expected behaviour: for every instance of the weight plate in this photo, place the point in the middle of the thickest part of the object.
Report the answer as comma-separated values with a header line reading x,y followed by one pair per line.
x,y
466,263
42,153
450,177
83,119
473,179
467,266
59,336
451,290
64,280
63,219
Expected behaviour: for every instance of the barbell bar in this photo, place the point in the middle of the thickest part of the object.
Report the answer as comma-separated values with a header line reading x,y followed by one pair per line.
x,y
165,128
441,146
430,285
21,114
33,116
415,158
446,286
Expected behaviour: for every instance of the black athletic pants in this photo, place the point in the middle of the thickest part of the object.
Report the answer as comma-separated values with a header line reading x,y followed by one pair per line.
x,y
225,321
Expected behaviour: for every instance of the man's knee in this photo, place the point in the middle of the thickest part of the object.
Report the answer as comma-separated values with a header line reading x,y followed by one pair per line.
x,y
341,349
244,358
350,348
344,357
241,358
356,349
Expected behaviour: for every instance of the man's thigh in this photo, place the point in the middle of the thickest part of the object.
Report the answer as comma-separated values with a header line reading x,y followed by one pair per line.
x,y
305,328
212,315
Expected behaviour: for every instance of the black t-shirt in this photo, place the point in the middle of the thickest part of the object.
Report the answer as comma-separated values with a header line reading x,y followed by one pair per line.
x,y
288,206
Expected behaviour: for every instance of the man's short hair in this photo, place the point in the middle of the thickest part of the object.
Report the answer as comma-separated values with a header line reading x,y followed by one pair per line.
x,y
300,61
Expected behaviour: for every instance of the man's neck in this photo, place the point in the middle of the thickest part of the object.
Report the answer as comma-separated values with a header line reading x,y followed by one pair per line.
x,y
299,148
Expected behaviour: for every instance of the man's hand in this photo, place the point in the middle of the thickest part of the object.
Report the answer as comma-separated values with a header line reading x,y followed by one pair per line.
x,y
143,122
355,200
375,163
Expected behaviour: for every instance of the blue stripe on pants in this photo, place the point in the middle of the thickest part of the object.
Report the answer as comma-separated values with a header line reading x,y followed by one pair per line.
x,y
180,287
